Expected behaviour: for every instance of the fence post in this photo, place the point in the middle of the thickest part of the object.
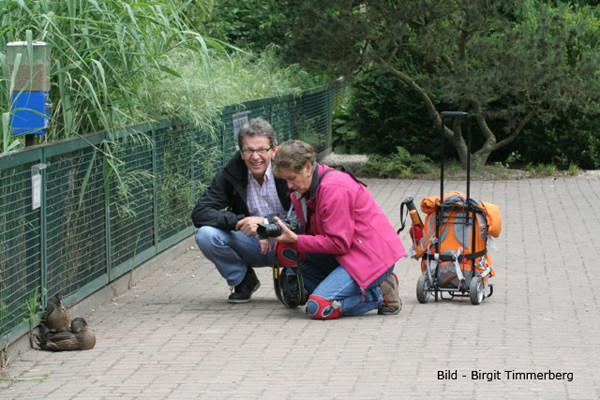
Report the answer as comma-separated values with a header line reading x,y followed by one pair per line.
x,y
223,128
155,213
106,190
43,232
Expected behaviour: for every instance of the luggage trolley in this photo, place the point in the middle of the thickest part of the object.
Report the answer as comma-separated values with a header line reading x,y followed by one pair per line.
x,y
453,250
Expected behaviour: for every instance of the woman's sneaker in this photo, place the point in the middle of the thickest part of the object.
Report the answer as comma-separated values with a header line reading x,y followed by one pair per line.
x,y
243,291
391,298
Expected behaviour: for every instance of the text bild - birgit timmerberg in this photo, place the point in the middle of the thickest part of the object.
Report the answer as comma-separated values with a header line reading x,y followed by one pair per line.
x,y
508,375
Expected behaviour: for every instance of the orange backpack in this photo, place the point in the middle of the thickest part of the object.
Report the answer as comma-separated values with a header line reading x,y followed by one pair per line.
x,y
457,243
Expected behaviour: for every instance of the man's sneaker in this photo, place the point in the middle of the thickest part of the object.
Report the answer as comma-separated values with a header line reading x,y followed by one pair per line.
x,y
243,291
391,299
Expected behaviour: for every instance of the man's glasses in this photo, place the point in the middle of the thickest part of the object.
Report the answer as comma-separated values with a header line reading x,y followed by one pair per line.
x,y
260,152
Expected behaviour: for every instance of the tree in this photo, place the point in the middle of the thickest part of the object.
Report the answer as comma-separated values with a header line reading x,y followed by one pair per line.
x,y
506,62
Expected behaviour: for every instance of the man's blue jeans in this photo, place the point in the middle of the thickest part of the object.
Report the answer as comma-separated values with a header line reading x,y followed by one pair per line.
x,y
232,252
326,278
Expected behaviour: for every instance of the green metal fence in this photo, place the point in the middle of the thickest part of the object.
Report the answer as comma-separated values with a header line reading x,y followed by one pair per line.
x,y
107,203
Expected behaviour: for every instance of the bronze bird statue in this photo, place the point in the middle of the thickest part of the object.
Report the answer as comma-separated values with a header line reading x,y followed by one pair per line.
x,y
56,317
78,337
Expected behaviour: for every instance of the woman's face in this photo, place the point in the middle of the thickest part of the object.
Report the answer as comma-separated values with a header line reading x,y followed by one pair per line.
x,y
298,181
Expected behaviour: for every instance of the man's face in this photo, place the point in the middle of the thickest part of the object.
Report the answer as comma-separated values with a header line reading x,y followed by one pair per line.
x,y
256,152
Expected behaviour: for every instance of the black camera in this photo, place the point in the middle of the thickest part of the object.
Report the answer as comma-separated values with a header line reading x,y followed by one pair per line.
x,y
273,230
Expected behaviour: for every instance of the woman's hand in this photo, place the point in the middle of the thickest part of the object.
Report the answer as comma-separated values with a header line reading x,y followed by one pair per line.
x,y
287,235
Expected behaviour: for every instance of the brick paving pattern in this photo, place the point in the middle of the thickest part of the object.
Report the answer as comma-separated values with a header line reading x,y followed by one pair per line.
x,y
174,336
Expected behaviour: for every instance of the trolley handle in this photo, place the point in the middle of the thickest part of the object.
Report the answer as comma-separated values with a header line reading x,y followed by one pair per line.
x,y
454,114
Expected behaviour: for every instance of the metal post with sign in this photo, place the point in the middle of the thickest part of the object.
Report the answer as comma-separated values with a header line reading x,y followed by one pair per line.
x,y
29,72
238,120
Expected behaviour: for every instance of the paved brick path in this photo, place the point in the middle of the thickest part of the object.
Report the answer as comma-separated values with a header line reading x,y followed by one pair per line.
x,y
174,336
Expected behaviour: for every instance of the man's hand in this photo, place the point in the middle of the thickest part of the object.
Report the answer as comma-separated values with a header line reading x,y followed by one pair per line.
x,y
265,246
248,225
287,235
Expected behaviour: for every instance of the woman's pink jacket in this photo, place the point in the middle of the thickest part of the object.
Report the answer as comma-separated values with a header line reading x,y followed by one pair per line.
x,y
347,223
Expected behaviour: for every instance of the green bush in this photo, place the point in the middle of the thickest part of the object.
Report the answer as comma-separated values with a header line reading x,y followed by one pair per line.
x,y
401,165
388,114
566,141
344,136
249,24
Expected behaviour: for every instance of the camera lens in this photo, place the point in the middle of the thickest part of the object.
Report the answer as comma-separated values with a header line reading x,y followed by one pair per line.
x,y
268,230
273,230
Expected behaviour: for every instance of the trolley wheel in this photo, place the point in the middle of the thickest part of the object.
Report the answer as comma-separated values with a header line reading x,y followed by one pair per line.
x,y
476,290
423,289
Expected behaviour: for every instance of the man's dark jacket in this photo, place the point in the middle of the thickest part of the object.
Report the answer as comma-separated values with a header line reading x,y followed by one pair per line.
x,y
224,203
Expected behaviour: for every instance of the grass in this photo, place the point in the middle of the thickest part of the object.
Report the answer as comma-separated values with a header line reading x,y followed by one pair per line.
x,y
34,309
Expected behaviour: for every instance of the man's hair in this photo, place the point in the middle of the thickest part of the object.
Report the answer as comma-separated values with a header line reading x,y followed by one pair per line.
x,y
257,127
293,155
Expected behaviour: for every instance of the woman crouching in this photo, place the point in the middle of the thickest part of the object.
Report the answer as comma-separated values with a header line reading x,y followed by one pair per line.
x,y
348,245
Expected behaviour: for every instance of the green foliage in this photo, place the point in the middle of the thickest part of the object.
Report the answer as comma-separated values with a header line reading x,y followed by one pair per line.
x,y
344,136
400,165
9,142
572,139
199,93
196,13
326,36
178,188
34,307
249,24
540,170
573,170
388,114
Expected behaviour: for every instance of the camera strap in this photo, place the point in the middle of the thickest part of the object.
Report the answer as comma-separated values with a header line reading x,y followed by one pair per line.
x,y
344,168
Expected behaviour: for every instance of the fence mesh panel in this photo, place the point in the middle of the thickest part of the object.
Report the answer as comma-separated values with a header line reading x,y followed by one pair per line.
x,y
75,227
131,196
20,273
176,150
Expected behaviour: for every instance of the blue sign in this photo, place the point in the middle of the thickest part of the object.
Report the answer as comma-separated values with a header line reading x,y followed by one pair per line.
x,y
31,113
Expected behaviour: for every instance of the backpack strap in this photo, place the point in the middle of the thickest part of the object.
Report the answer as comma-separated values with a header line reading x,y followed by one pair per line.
x,y
409,205
461,258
